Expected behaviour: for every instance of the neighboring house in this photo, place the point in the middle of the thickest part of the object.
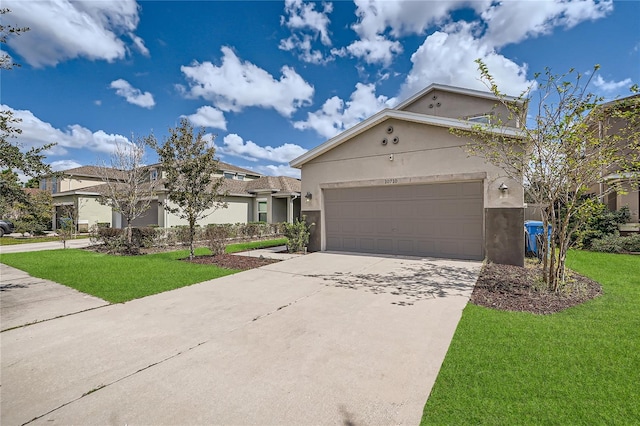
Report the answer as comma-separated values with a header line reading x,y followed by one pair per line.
x,y
251,197
629,195
400,183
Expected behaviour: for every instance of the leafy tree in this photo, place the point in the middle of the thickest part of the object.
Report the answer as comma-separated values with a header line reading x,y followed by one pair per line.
x,y
189,163
127,187
32,183
567,149
30,163
35,215
11,193
6,62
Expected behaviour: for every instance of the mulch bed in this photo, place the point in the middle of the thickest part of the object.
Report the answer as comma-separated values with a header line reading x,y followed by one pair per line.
x,y
231,261
514,288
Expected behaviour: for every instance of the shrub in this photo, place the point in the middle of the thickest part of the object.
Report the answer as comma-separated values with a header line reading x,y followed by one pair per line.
x,y
600,223
113,239
631,243
614,243
297,234
216,236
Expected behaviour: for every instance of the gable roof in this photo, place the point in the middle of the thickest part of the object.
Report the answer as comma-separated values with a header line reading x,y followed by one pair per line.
x,y
458,90
387,114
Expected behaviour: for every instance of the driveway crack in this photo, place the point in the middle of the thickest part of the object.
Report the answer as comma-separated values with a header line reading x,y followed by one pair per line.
x,y
103,386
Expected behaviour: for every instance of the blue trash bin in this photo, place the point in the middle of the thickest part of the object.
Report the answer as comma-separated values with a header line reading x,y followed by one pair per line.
x,y
532,229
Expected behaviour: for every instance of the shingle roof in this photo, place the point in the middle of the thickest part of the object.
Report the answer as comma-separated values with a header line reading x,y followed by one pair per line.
x,y
93,171
231,168
274,183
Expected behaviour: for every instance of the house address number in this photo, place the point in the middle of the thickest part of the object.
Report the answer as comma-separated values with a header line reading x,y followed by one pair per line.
x,y
390,181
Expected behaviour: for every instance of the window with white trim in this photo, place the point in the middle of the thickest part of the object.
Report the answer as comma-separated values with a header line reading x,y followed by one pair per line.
x,y
262,211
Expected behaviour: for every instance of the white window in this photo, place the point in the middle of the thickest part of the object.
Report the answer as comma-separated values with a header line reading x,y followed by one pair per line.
x,y
483,119
240,176
262,211
228,175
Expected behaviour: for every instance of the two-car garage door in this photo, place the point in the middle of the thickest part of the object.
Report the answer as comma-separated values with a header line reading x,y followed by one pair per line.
x,y
438,220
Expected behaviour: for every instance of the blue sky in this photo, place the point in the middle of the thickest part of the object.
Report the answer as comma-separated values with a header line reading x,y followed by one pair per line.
x,y
273,79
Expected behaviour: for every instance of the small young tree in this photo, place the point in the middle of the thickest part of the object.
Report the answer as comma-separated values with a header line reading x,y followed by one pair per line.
x,y
127,187
567,149
34,215
67,224
189,163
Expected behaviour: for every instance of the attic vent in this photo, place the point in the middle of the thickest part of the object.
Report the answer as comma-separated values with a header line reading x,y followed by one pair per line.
x,y
396,139
384,141
434,97
438,104
430,105
390,129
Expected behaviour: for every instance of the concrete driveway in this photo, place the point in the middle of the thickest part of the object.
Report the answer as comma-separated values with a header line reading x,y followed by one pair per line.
x,y
325,338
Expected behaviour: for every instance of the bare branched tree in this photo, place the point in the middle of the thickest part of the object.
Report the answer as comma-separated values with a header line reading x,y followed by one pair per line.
x,y
128,188
568,151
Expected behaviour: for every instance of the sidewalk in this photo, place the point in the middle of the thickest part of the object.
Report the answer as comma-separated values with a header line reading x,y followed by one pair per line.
x,y
26,299
51,245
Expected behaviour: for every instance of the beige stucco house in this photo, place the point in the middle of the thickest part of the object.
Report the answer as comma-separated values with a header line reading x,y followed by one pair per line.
x,y
627,191
401,183
251,197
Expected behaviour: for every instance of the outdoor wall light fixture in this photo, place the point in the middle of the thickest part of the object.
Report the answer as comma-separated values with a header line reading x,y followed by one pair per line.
x,y
308,196
503,187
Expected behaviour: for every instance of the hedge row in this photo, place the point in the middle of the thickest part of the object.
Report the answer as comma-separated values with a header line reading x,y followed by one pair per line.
x,y
216,236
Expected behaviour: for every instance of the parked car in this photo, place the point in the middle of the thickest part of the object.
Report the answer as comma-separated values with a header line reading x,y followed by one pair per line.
x,y
6,227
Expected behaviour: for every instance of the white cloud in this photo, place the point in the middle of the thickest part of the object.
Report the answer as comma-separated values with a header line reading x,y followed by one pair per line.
x,y
139,44
236,146
62,29
132,95
380,21
373,51
306,25
611,86
64,165
279,170
303,16
513,21
207,116
448,58
336,115
235,85
36,133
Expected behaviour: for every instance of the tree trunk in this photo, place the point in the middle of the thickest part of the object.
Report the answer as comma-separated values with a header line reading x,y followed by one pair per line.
x,y
192,233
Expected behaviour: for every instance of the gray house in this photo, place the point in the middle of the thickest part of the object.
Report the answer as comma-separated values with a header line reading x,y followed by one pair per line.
x,y
401,183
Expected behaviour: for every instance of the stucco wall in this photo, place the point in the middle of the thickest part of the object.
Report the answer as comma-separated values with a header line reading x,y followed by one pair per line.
x,y
454,105
424,154
238,211
69,184
91,210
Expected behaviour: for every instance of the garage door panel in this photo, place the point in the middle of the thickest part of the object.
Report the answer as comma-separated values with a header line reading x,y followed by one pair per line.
x,y
439,220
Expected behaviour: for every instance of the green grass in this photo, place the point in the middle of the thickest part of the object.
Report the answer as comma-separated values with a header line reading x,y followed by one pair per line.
x,y
115,279
235,248
10,241
579,366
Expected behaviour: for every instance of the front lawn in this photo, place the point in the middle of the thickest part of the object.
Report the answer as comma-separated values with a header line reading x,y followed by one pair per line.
x,y
579,366
115,279
252,245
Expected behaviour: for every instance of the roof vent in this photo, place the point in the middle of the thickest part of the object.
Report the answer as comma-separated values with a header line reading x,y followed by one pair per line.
x,y
384,141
